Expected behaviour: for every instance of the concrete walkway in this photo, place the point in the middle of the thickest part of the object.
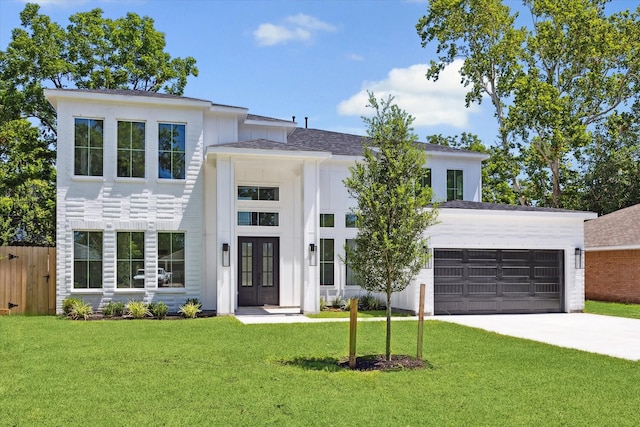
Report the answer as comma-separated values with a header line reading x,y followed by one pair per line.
x,y
613,336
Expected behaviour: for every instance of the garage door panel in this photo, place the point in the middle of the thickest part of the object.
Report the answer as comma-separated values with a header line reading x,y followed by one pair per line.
x,y
497,281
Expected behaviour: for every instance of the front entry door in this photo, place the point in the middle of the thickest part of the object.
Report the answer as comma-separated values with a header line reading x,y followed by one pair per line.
x,y
258,271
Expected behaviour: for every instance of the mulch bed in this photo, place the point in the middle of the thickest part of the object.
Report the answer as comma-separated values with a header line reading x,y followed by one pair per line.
x,y
378,362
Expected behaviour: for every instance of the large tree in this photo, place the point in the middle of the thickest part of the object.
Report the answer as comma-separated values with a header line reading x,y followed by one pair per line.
x,y
392,211
550,82
92,52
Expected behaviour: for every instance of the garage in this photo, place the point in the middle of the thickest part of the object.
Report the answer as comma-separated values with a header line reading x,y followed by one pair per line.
x,y
491,281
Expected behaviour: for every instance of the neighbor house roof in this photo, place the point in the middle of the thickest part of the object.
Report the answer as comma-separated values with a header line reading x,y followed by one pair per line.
x,y
465,204
617,230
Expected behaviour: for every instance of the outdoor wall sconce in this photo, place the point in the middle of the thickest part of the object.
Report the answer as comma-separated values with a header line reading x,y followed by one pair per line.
x,y
578,258
313,260
226,255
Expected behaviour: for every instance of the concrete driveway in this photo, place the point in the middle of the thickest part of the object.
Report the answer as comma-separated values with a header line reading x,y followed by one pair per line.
x,y
608,335
612,336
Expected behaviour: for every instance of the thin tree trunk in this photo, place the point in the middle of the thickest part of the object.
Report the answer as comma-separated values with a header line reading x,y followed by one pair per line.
x,y
388,349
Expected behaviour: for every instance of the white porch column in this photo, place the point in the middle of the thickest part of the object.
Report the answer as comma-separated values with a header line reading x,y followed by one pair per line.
x,y
311,222
225,202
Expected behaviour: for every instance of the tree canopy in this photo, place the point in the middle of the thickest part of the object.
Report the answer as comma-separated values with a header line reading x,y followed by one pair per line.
x,y
550,81
92,52
392,211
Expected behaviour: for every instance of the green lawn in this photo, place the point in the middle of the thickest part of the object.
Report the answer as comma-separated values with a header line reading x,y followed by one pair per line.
x,y
217,371
613,309
345,314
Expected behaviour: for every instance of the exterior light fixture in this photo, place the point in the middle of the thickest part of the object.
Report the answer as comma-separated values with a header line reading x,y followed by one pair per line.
x,y
226,255
579,258
313,254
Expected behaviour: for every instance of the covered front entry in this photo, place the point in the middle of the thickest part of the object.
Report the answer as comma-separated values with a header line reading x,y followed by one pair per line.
x,y
483,281
258,271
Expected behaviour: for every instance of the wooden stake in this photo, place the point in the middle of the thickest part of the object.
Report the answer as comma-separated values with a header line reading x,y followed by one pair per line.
x,y
353,324
421,320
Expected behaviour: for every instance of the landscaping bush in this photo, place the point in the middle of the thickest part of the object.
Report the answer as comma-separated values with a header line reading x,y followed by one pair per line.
x,y
194,301
68,303
158,309
190,310
337,302
138,309
80,310
113,308
323,304
369,302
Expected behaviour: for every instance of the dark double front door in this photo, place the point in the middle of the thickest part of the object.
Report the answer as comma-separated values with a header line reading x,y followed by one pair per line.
x,y
258,271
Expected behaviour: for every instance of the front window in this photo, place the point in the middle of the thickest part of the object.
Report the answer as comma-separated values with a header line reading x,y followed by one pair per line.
x,y
327,262
425,178
88,147
171,151
130,260
350,220
87,259
351,275
131,149
454,185
326,220
262,219
171,260
258,193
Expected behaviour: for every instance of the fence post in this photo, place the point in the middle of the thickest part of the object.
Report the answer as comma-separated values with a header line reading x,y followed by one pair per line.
x,y
353,324
421,320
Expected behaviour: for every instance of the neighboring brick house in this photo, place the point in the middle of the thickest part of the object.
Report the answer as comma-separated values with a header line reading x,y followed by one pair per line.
x,y
612,244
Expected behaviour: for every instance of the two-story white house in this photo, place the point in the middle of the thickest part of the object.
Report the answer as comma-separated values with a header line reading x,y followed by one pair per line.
x,y
164,198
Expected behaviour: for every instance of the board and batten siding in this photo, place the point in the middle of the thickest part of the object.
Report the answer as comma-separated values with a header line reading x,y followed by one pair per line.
x,y
111,204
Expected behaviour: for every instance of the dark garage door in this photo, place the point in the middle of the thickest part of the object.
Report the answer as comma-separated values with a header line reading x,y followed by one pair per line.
x,y
479,281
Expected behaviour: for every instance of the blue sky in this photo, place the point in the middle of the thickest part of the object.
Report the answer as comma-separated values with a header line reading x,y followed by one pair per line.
x,y
299,58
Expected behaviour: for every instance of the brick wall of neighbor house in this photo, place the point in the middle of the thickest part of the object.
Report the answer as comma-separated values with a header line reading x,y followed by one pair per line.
x,y
613,276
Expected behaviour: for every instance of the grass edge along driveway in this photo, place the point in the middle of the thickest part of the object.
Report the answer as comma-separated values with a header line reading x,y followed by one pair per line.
x,y
217,371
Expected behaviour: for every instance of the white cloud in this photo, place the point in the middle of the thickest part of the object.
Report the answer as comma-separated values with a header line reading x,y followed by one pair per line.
x,y
296,28
355,57
431,103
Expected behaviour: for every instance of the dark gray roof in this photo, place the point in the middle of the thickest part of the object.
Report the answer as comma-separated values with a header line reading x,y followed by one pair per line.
x,y
464,204
142,93
345,144
265,144
619,228
267,119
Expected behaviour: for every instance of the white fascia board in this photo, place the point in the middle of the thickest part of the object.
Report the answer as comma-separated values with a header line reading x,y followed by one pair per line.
x,y
241,111
613,248
458,155
491,212
271,123
53,95
280,154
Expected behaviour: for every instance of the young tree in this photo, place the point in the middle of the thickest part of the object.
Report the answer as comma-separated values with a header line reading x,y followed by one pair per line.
x,y
556,79
92,52
393,210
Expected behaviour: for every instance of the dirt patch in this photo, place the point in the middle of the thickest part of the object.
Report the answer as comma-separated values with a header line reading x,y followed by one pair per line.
x,y
378,362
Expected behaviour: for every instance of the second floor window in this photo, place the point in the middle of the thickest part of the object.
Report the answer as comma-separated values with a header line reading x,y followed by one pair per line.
x,y
88,147
131,149
454,185
171,151
326,220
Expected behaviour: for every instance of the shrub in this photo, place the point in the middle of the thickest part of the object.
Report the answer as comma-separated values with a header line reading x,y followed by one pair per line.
x,y
113,308
159,309
138,309
323,304
68,303
337,302
194,301
80,310
346,305
190,310
369,302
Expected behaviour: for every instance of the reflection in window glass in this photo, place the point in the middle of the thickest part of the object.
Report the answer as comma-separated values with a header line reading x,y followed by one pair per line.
x,y
87,259
88,147
351,275
258,193
350,220
171,259
171,151
327,262
454,185
131,146
263,219
326,220
130,259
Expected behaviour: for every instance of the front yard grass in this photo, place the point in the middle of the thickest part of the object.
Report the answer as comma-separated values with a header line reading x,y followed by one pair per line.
x,y
217,371
613,309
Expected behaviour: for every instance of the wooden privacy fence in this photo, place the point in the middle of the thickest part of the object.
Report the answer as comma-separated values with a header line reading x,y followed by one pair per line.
x,y
28,279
